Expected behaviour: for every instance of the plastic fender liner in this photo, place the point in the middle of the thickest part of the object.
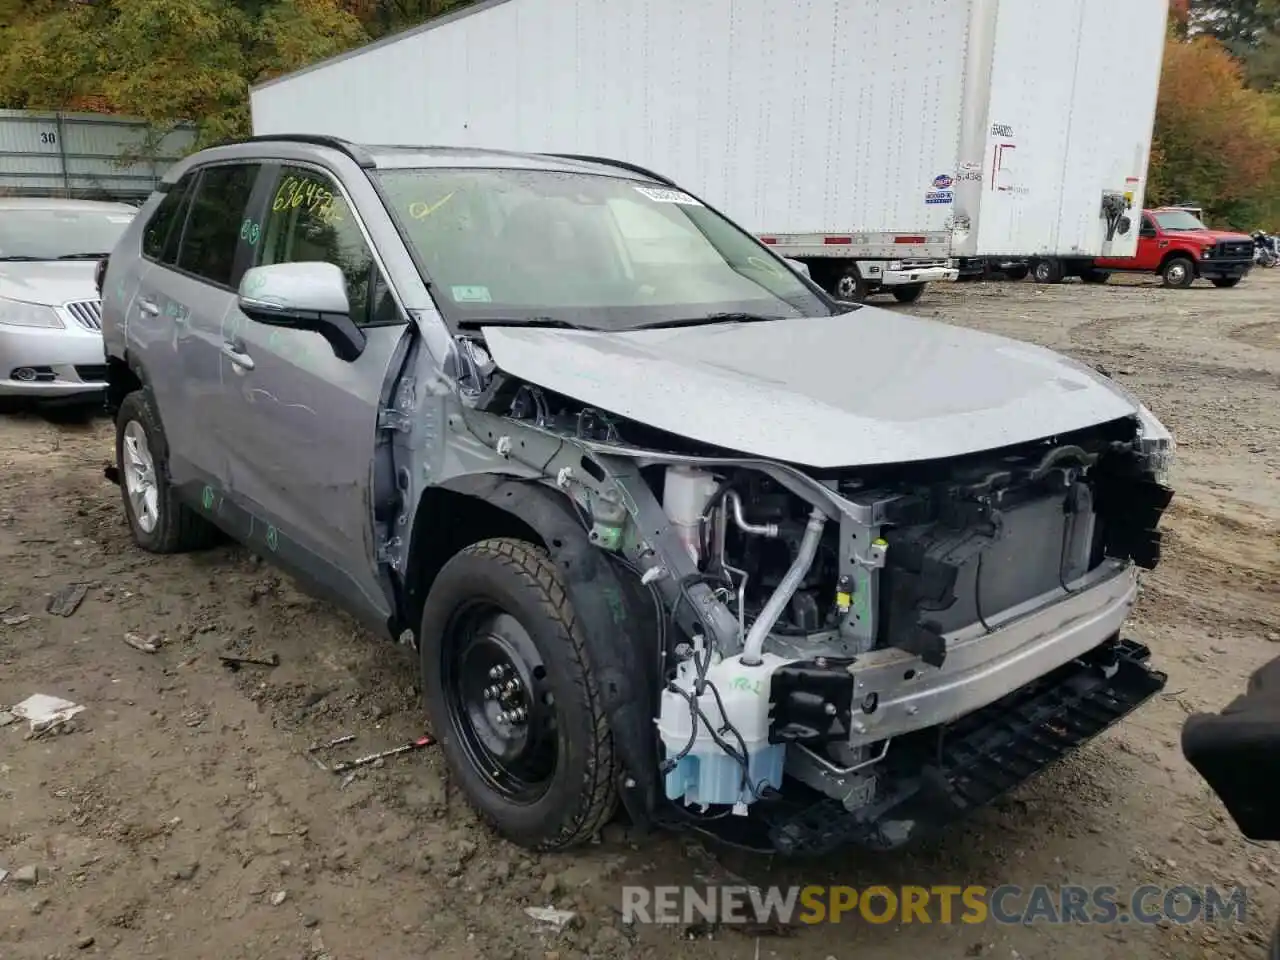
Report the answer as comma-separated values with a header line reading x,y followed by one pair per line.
x,y
617,616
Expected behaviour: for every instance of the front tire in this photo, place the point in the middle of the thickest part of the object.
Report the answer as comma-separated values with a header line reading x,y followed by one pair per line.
x,y
1095,276
158,520
908,292
1226,282
512,698
1179,273
849,286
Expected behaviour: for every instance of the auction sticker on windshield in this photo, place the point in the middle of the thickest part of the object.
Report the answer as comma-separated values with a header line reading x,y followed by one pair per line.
x,y
662,195
471,295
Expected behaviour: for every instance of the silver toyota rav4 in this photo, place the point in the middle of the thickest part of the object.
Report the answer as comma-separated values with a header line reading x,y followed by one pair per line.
x,y
666,524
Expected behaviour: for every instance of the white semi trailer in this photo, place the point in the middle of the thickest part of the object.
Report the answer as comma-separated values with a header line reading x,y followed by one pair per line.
x,y
876,142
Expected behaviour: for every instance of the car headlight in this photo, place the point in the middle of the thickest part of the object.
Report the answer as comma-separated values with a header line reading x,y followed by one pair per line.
x,y
1206,253
1157,443
19,313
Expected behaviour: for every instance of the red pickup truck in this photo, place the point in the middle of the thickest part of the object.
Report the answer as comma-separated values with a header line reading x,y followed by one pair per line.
x,y
1173,243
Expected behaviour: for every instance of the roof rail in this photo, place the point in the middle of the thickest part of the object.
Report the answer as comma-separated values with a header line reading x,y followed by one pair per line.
x,y
609,162
357,154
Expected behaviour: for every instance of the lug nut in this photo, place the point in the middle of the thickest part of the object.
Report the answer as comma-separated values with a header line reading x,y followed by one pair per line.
x,y
504,718
517,715
511,686
495,673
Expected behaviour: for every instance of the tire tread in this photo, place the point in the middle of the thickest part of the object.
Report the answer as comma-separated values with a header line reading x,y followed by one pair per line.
x,y
535,568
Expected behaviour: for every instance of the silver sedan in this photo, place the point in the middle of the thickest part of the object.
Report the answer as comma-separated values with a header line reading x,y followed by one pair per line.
x,y
50,306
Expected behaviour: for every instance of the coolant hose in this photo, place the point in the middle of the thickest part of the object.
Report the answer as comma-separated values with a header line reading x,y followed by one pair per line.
x,y
786,589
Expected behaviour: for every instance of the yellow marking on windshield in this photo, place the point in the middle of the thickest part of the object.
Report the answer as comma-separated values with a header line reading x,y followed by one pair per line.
x,y
420,211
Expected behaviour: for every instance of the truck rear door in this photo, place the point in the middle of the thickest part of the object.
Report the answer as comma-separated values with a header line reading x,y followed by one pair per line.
x,y
1071,104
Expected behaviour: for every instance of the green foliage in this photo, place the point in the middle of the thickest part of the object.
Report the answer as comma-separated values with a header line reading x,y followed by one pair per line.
x,y
1249,29
1217,142
165,60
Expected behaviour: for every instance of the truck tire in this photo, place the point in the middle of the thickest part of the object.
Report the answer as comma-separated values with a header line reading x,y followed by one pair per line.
x,y
1226,282
1092,275
158,520
1048,270
907,292
849,285
1178,272
499,636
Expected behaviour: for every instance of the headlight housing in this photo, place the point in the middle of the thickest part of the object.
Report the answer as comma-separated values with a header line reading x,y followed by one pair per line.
x,y
19,313
1157,443
1206,253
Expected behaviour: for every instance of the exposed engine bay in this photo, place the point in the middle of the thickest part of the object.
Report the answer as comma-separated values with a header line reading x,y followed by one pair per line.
x,y
822,631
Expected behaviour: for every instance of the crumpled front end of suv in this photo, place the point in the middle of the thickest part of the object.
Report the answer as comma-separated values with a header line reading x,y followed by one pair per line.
x,y
847,653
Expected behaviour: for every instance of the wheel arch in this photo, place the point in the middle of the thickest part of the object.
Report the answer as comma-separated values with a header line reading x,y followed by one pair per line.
x,y
123,377
1174,254
616,612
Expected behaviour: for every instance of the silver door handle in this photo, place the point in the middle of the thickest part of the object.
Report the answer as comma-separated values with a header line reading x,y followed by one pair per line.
x,y
233,353
149,308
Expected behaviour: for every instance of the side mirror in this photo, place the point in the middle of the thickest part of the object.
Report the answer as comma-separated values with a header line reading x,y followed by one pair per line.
x,y
304,296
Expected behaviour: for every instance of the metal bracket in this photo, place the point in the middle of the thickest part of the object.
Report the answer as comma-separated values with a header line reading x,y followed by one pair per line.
x,y
394,420
862,555
388,552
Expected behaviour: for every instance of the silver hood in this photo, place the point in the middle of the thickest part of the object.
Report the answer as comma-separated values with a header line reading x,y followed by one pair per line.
x,y
51,282
866,388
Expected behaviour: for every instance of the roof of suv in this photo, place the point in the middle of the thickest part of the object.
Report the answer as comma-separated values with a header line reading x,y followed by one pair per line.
x,y
400,156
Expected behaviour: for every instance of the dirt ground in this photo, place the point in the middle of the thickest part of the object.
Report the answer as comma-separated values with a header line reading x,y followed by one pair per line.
x,y
182,817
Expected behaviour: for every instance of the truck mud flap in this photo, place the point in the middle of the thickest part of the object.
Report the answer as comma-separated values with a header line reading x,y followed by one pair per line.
x,y
943,774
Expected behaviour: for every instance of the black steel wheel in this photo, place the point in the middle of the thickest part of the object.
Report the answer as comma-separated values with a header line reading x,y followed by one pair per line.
x,y
499,701
512,698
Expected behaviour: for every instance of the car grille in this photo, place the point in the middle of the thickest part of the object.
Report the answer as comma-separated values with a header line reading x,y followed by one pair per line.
x,y
87,313
1233,250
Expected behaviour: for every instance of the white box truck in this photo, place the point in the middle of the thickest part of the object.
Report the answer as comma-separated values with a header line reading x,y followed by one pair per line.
x,y
874,142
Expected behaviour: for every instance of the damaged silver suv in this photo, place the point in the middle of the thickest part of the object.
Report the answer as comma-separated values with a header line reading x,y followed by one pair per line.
x,y
666,524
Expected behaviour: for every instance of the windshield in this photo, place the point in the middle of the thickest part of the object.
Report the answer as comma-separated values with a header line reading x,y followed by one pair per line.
x,y
53,233
1178,220
588,251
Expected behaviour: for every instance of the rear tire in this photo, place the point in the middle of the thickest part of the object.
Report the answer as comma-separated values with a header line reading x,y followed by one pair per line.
x,y
158,520
1047,271
907,292
1095,276
1178,273
1226,282
498,618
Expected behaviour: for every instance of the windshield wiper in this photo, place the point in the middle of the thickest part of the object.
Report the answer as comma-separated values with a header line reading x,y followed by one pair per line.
x,y
708,319
84,256
518,322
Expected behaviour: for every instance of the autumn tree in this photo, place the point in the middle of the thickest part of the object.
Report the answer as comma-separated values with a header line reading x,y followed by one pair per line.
x,y
1215,141
164,60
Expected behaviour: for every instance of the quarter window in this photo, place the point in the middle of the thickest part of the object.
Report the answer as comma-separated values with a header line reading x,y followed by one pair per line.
x,y
216,222
164,229
309,220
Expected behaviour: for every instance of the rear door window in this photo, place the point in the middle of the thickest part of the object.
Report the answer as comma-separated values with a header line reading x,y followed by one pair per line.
x,y
217,223
164,229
